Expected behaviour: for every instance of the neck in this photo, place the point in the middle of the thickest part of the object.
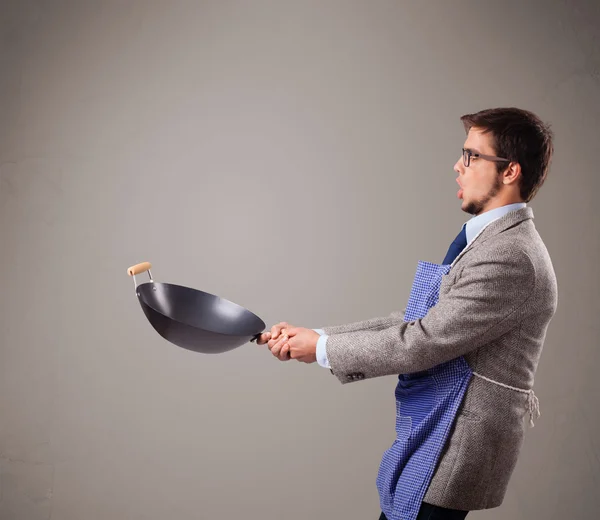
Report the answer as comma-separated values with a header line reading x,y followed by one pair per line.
x,y
500,202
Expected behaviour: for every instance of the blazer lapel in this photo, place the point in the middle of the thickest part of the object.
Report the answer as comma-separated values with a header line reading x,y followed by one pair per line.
x,y
497,226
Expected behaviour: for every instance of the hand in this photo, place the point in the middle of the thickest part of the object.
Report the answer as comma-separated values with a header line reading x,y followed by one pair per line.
x,y
301,343
273,334
278,341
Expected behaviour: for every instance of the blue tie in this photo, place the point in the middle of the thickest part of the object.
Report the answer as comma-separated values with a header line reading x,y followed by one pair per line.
x,y
456,247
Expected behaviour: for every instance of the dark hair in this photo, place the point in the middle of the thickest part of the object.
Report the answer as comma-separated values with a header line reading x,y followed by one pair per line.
x,y
519,136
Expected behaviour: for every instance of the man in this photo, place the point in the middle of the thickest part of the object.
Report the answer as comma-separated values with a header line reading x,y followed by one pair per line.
x,y
467,346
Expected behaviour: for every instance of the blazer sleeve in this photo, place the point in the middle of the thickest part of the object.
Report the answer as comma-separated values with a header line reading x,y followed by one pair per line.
x,y
379,323
480,306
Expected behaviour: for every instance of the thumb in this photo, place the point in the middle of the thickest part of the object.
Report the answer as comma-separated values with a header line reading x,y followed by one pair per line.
x,y
276,329
292,331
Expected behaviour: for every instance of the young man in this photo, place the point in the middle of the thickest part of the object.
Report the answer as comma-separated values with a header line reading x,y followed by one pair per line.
x,y
467,346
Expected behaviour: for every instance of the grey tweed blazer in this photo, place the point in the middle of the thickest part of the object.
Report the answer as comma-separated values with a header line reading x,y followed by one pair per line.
x,y
494,309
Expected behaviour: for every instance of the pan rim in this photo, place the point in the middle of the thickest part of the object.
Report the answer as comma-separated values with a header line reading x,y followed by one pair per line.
x,y
149,283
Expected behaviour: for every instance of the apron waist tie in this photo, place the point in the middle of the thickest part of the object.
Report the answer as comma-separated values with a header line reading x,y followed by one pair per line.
x,y
532,401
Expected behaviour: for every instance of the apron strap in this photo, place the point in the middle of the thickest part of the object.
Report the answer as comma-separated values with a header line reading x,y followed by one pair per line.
x,y
533,402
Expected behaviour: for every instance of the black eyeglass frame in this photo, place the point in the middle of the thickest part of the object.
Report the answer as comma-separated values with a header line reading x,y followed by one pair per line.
x,y
467,154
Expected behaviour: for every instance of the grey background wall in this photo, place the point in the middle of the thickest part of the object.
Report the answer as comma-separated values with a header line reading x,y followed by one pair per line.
x,y
294,157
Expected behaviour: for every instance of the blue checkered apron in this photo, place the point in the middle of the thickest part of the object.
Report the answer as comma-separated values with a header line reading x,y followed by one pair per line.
x,y
426,406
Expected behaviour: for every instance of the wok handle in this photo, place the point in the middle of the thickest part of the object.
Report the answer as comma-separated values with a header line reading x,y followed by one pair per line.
x,y
139,268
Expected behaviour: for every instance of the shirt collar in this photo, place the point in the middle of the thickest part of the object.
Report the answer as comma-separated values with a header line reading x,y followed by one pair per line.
x,y
478,222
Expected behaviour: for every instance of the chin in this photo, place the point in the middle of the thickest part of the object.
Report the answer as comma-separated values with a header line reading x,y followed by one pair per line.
x,y
469,207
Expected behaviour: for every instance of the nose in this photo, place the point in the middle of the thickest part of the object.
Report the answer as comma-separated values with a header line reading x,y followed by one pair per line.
x,y
458,166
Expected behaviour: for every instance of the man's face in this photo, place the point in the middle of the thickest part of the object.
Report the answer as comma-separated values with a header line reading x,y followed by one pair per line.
x,y
480,182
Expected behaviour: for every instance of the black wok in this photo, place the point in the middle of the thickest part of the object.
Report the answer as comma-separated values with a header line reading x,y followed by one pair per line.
x,y
193,319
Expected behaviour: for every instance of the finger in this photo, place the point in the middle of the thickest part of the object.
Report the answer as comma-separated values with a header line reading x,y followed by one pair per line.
x,y
291,345
284,352
292,331
264,338
276,329
273,342
283,330
277,346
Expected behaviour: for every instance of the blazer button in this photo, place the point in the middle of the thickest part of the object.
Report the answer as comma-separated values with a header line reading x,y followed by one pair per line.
x,y
355,376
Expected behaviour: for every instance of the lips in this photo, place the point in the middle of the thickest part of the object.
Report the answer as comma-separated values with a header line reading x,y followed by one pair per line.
x,y
459,194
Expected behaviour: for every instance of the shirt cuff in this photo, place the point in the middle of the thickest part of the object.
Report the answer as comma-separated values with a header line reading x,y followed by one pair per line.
x,y
322,351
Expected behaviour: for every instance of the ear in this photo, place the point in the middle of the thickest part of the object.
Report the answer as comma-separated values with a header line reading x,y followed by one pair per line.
x,y
512,173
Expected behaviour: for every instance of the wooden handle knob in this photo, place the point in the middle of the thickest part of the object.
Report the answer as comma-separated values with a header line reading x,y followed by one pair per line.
x,y
139,268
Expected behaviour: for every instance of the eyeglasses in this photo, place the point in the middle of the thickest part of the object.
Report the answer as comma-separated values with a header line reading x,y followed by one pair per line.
x,y
467,154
